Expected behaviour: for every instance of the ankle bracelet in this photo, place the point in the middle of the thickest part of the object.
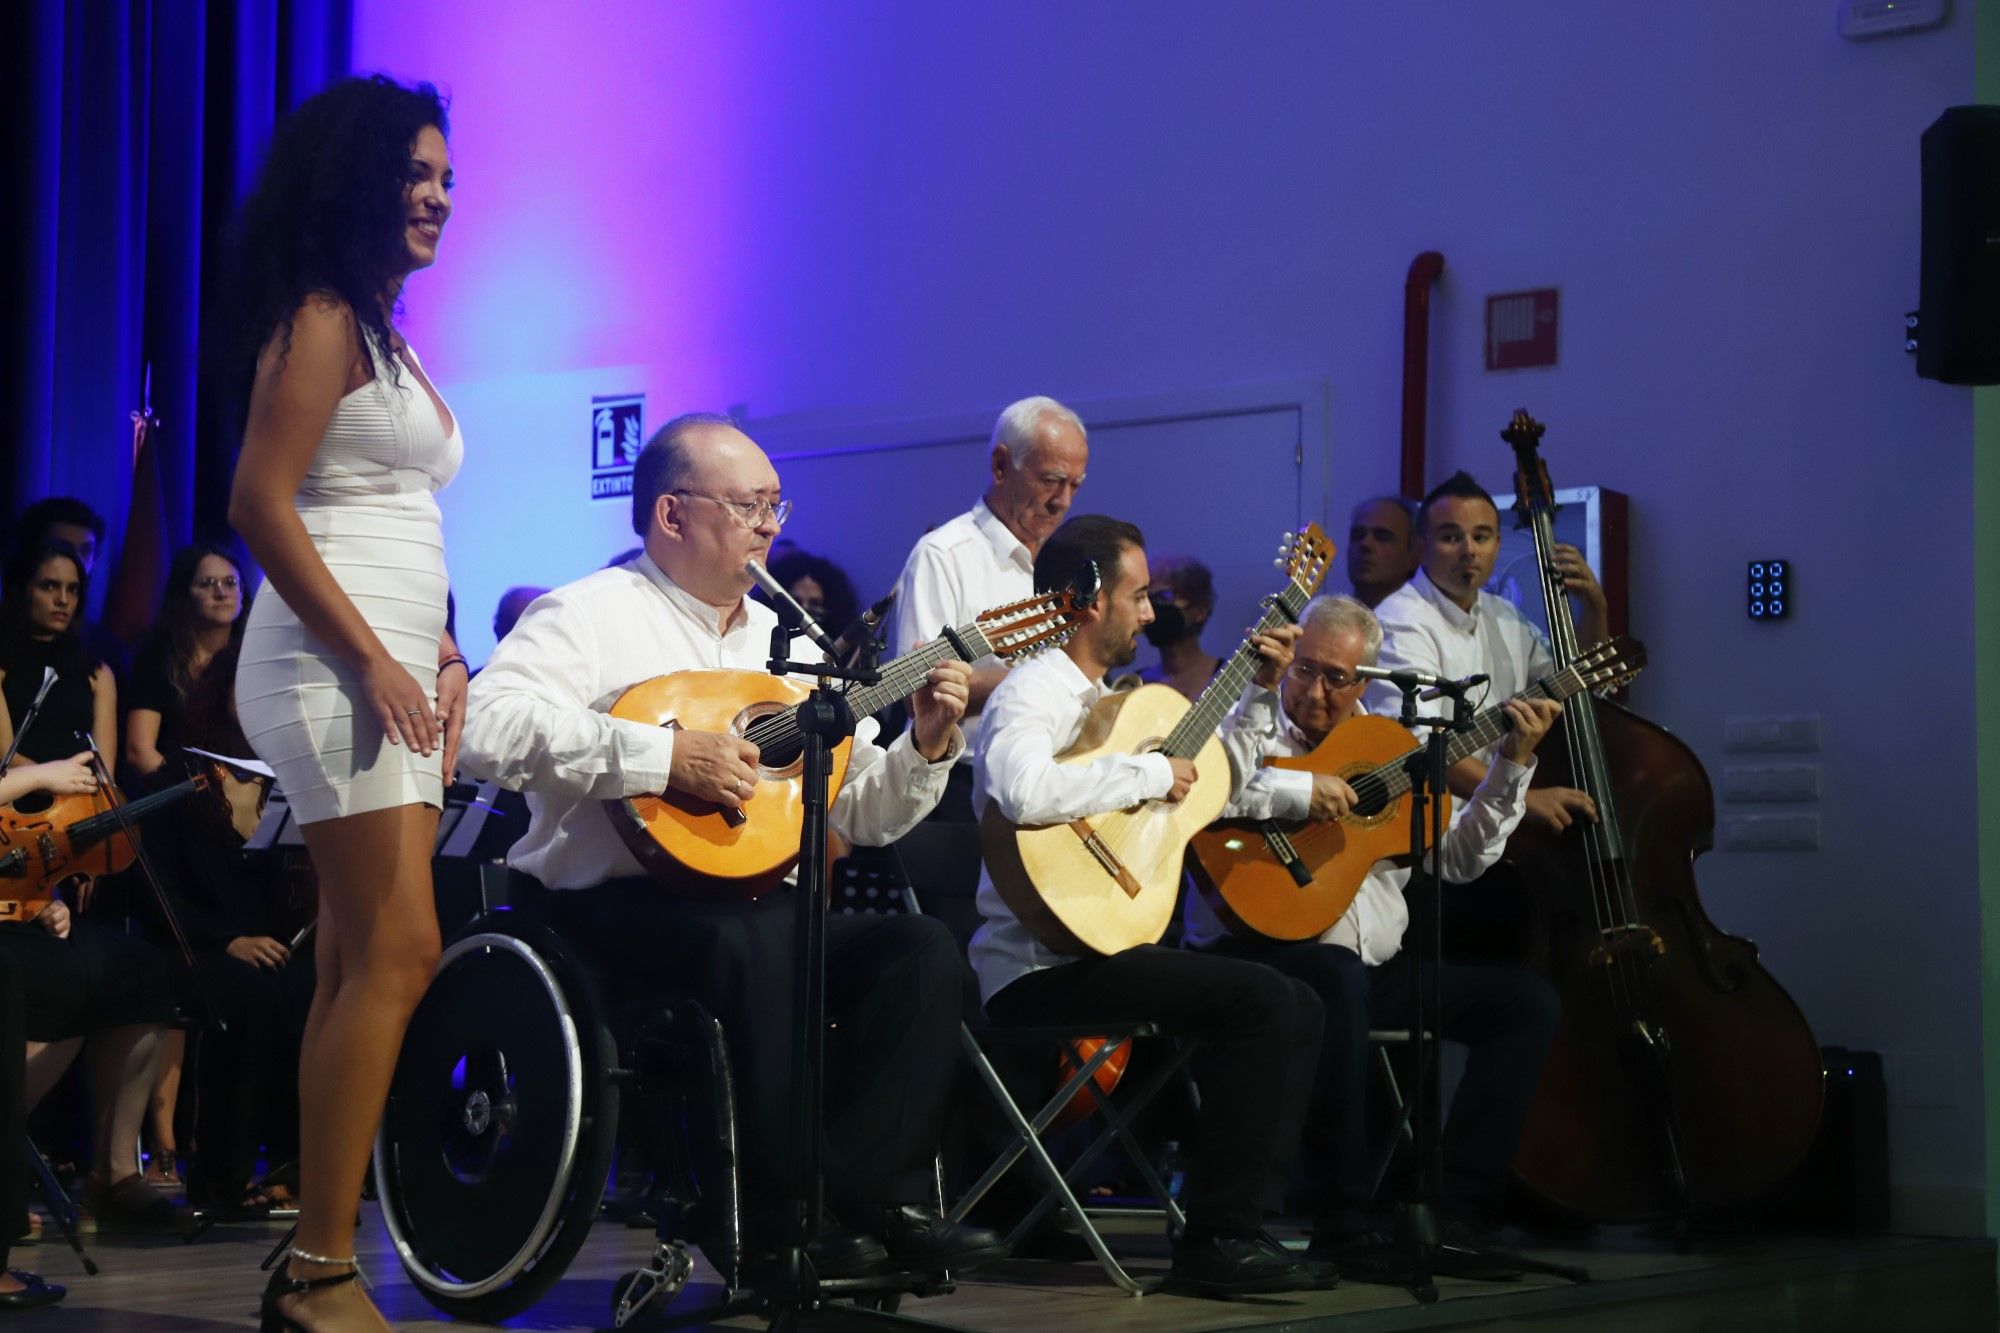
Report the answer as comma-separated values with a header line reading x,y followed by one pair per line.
x,y
321,1259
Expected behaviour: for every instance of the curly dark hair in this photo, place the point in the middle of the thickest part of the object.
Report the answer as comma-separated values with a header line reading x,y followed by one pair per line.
x,y
327,214
175,628
842,606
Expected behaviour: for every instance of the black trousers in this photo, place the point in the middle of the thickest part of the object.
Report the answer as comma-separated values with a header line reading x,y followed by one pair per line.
x,y
1260,1033
13,1105
1506,1016
247,1076
894,995
93,979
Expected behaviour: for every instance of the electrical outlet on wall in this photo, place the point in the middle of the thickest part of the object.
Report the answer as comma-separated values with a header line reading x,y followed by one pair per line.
x,y
1771,782
1797,733
1771,833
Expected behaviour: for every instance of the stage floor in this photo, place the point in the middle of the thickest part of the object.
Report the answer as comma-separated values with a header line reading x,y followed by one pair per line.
x,y
1639,1284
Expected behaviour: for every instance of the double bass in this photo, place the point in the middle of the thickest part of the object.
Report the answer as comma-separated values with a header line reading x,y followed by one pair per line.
x,y
1683,1080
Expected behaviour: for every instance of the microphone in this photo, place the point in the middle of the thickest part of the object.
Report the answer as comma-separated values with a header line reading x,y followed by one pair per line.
x,y
1433,686
864,627
789,610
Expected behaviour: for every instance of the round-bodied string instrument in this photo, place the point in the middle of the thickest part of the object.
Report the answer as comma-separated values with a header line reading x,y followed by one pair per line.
x,y
1683,1080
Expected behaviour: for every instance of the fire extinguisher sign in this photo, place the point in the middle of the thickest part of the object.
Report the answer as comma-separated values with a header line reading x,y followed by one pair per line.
x,y
617,432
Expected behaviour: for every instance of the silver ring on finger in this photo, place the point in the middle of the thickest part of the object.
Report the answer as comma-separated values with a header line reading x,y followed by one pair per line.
x,y
414,712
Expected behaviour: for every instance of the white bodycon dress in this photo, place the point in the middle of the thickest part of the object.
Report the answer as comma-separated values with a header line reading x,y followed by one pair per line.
x,y
368,502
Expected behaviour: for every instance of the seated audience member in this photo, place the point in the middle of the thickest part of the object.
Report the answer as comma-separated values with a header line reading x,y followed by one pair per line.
x,y
18,1291
1183,600
1505,1015
1381,548
90,989
63,518
512,603
822,588
200,613
242,911
41,605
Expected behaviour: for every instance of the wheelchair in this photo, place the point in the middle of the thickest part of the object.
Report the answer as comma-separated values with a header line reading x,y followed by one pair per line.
x,y
504,1116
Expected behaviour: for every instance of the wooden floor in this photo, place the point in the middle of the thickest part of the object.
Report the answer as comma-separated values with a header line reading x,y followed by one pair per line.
x,y
1639,1284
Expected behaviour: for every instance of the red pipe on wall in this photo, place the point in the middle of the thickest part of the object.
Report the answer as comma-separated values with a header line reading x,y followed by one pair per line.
x,y
1424,272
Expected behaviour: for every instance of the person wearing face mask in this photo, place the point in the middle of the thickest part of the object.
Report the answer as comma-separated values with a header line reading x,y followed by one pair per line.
x,y
986,557
1445,622
1183,600
705,500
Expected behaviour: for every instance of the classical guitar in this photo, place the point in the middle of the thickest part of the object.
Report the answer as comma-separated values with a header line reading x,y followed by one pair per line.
x,y
1109,882
708,850
46,841
1288,880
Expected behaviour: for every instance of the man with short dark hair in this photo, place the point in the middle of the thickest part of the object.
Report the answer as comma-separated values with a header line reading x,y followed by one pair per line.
x,y
1381,548
1259,1031
706,499
1444,621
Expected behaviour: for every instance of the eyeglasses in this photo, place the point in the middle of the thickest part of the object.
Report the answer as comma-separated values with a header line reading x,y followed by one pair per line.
x,y
749,513
227,583
1333,678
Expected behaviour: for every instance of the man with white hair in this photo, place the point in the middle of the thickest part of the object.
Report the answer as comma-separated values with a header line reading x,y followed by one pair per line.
x,y
1505,1015
986,557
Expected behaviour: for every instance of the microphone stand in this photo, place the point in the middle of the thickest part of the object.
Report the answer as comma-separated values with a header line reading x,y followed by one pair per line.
x,y
794,1296
1416,1216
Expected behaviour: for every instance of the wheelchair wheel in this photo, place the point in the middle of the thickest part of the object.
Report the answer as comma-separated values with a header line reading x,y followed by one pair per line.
x,y
501,1119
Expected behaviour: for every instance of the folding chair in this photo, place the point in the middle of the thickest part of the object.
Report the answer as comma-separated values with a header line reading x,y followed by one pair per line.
x,y
948,856
62,1208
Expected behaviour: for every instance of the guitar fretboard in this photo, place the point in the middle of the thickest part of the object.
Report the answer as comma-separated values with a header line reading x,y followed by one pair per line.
x,y
1199,722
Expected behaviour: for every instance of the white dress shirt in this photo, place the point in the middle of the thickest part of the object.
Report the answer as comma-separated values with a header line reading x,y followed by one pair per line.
x,y
538,721
958,569
1374,923
1034,715
1425,630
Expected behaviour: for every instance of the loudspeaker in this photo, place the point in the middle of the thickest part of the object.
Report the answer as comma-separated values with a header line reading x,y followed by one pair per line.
x,y
1843,1183
1958,323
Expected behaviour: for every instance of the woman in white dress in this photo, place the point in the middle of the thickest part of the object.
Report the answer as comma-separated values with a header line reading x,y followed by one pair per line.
x,y
349,686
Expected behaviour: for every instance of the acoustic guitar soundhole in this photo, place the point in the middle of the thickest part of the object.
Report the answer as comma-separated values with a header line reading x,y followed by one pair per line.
x,y
781,760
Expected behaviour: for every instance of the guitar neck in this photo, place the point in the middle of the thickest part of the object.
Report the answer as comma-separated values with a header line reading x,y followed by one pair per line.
x,y
1488,727
1199,722
906,675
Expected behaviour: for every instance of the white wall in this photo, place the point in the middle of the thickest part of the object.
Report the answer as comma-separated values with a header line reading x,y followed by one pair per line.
x,y
903,208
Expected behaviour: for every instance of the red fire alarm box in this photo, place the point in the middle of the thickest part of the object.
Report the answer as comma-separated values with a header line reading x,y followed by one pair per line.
x,y
1521,330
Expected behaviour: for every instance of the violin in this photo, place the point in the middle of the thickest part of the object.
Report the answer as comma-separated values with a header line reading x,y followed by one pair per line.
x,y
47,841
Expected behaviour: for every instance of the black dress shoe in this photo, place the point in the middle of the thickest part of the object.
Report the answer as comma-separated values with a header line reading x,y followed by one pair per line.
x,y
33,1294
836,1253
1214,1263
920,1239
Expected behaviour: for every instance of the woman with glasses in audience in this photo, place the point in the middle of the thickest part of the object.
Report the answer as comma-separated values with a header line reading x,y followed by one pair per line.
x,y
201,612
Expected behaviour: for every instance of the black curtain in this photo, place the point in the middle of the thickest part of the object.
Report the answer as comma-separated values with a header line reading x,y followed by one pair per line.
x,y
133,129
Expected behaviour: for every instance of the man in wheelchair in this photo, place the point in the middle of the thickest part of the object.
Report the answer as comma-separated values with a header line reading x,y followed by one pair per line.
x,y
705,499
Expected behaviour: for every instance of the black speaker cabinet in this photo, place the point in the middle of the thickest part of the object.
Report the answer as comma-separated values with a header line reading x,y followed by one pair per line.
x,y
1958,324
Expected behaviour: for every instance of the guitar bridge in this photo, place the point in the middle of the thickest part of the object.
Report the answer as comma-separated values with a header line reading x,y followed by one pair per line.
x,y
1105,857
1288,856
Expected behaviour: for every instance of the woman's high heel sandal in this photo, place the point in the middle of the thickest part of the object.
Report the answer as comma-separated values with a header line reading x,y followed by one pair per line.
x,y
283,1284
